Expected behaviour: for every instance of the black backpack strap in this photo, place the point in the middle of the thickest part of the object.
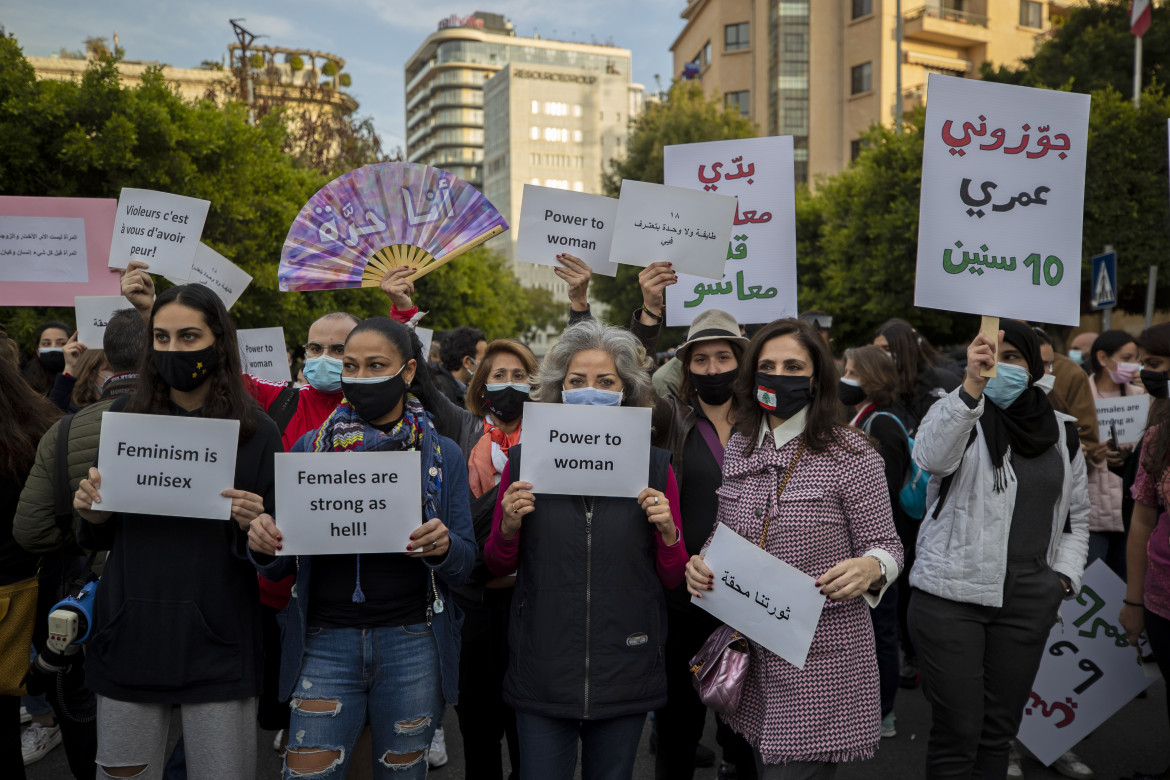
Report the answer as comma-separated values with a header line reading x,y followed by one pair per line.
x,y
284,406
945,487
62,495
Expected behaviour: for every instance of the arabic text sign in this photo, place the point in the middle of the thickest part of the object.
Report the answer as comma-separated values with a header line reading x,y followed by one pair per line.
x,y
1003,190
264,354
687,228
347,502
759,280
158,228
586,450
1127,414
553,221
762,597
154,464
93,312
1088,671
53,249
218,274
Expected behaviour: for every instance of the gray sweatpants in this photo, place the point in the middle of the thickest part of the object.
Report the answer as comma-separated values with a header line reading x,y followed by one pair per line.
x,y
219,737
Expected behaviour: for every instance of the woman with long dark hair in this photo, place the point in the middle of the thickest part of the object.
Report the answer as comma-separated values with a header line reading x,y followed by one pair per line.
x,y
176,619
376,636
921,378
48,359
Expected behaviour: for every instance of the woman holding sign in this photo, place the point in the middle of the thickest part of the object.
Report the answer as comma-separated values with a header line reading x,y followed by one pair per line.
x,y
588,620
994,557
819,489
177,615
377,635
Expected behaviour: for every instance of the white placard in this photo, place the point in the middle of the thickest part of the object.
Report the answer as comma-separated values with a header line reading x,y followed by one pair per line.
x,y
762,597
154,464
158,228
93,312
218,274
586,450
1088,671
759,281
1127,413
1003,191
43,249
425,337
687,228
553,221
329,503
264,354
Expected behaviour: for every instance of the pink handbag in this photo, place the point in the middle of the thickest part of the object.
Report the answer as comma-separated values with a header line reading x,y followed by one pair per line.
x,y
721,665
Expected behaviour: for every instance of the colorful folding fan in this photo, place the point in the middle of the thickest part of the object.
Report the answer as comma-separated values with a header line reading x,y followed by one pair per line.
x,y
380,217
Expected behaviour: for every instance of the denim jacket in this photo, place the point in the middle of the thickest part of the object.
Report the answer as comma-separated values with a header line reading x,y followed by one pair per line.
x,y
453,569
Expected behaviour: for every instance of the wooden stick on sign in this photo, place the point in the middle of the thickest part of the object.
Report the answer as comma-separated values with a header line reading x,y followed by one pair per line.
x,y
989,327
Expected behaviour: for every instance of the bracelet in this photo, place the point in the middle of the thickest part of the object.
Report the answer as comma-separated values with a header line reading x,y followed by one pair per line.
x,y
1129,603
656,317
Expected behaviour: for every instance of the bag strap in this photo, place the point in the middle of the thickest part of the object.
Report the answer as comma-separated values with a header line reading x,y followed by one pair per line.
x,y
712,438
780,491
62,495
284,406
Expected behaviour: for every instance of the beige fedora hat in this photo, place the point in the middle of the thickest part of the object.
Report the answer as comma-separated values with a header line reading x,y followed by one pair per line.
x,y
711,325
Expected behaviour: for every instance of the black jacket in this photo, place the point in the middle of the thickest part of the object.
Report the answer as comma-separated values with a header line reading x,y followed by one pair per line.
x,y
588,623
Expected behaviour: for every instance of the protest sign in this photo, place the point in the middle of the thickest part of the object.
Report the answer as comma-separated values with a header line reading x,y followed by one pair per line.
x,y
687,228
586,450
93,312
761,596
155,464
1125,414
1003,189
553,221
759,281
158,228
264,354
218,274
328,503
54,249
1088,671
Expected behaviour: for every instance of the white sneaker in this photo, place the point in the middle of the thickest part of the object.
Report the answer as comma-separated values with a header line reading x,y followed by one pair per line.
x,y
1014,769
24,716
37,741
1070,765
278,741
888,728
437,755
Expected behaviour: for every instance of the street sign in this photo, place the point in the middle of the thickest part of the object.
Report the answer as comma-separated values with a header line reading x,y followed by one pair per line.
x,y
1104,282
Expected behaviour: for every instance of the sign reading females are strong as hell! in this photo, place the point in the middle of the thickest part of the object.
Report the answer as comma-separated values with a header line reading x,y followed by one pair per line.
x,y
1003,191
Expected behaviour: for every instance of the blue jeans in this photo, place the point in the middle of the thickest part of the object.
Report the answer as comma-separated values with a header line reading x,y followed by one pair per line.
x,y
548,746
388,677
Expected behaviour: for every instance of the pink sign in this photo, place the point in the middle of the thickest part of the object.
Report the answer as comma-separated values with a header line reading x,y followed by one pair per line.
x,y
53,249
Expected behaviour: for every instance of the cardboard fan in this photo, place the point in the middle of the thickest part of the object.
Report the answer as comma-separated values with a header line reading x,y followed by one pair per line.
x,y
380,217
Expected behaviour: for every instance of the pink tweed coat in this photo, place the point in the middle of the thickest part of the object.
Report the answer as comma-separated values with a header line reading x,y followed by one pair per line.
x,y
836,506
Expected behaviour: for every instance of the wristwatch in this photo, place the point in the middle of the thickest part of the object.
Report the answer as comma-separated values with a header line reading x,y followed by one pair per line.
x,y
881,583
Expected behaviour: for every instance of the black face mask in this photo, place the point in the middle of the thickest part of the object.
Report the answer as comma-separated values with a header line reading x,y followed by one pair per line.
x,y
1157,383
375,397
505,403
850,395
185,371
714,389
53,362
782,396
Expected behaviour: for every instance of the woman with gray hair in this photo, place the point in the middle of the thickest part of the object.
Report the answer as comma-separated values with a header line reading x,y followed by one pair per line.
x,y
588,625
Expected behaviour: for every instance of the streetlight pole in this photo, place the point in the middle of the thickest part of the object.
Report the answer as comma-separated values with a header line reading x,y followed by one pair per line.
x,y
898,79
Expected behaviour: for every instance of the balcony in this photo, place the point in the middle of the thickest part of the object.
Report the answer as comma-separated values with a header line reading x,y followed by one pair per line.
x,y
937,23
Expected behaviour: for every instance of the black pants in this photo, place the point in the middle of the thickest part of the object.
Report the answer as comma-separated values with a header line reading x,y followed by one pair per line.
x,y
1158,630
680,722
978,665
271,713
11,755
885,639
484,718
907,528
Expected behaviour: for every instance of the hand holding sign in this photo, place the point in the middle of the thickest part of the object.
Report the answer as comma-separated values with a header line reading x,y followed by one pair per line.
x,y
138,287
980,358
518,501
73,349
87,496
430,539
576,274
654,279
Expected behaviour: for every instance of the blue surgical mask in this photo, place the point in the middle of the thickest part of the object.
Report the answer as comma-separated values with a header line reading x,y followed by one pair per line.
x,y
1075,356
1005,387
592,396
324,373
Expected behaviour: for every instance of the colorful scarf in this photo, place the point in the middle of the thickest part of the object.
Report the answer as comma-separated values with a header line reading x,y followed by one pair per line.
x,y
345,431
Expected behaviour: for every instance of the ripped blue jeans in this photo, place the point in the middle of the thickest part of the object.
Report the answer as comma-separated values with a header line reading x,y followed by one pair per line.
x,y
386,676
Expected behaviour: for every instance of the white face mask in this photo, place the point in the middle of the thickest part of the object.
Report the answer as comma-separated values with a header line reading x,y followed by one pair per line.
x,y
1046,383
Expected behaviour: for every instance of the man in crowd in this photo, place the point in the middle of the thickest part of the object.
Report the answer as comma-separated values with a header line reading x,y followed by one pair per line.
x,y
461,352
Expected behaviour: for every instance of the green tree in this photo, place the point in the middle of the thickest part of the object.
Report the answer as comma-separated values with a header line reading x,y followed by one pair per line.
x,y
90,139
685,115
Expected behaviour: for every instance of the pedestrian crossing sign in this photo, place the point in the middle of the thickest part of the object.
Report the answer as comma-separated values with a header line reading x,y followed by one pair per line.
x,y
1104,281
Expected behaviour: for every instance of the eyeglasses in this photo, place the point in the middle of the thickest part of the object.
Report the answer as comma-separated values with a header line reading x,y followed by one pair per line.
x,y
313,350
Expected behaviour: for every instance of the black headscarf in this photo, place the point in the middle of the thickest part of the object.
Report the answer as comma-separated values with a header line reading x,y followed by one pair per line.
x,y
1029,425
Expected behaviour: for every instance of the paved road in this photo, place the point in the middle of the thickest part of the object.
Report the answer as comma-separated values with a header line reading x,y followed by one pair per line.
x,y
1135,738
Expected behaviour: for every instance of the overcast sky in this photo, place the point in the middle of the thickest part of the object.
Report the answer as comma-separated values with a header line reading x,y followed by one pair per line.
x,y
374,37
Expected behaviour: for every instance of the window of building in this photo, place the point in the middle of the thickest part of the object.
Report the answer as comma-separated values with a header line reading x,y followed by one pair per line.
x,y
855,147
707,53
1031,14
862,8
861,78
534,133
735,37
577,136
578,186
535,107
560,184
577,109
738,100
